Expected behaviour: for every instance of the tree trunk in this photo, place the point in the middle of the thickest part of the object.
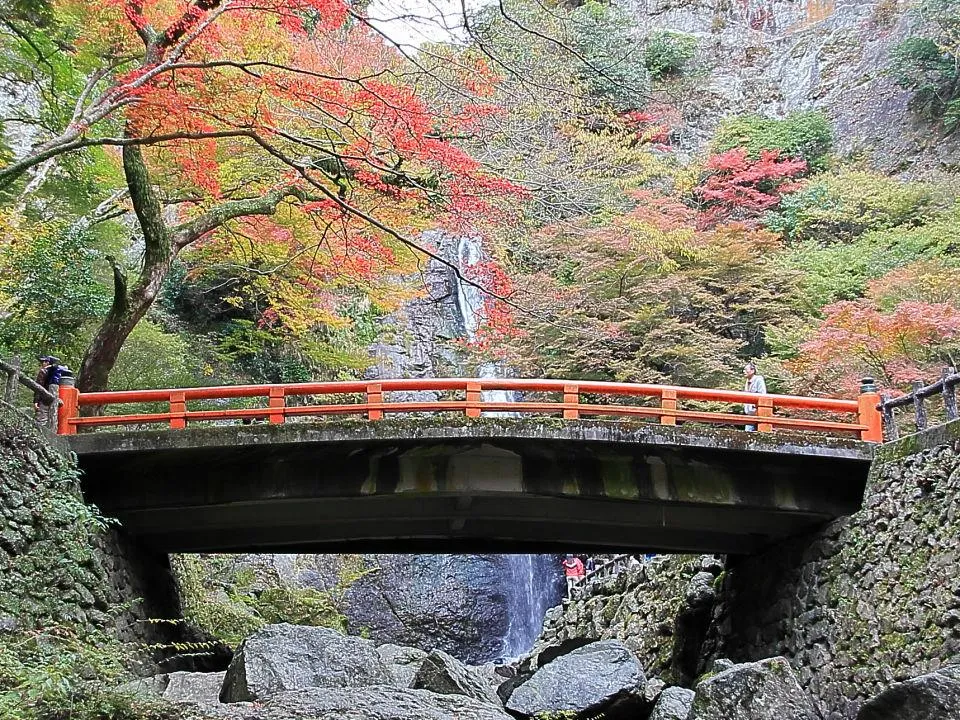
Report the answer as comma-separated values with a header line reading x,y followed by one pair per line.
x,y
129,306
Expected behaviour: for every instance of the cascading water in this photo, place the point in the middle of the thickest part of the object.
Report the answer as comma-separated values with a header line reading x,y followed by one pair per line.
x,y
530,592
528,580
470,302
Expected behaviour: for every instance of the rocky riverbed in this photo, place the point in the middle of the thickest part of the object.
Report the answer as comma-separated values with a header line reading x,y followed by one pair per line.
x,y
290,672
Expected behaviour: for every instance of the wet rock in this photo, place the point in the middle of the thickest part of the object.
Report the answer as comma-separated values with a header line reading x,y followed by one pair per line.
x,y
765,690
444,674
291,657
935,696
376,702
674,703
603,676
402,663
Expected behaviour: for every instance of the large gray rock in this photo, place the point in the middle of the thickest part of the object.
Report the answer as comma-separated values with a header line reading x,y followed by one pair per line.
x,y
181,687
674,703
376,702
444,674
402,663
292,657
598,677
194,687
765,690
929,697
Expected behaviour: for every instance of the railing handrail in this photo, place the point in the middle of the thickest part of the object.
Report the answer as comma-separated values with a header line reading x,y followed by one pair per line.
x,y
572,406
600,570
14,372
351,387
945,386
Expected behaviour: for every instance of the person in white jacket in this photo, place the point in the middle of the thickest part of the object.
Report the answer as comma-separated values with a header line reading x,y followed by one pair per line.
x,y
755,384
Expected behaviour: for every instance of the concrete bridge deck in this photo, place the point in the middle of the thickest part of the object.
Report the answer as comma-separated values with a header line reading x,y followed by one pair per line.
x,y
469,485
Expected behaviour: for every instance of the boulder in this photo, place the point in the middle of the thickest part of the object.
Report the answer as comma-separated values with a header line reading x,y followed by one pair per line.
x,y
929,697
444,674
674,703
603,677
181,687
765,690
292,657
375,702
402,663
194,687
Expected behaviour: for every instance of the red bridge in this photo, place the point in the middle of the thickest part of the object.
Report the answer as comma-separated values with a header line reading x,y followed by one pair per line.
x,y
458,465
561,398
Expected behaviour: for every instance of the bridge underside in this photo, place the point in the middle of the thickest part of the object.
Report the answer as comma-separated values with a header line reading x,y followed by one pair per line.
x,y
490,485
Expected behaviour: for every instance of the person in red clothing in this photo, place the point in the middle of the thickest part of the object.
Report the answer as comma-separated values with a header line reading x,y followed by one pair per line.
x,y
573,569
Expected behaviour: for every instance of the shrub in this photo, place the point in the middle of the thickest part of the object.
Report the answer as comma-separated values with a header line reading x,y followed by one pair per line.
x,y
62,671
667,52
843,271
615,71
928,64
805,135
841,206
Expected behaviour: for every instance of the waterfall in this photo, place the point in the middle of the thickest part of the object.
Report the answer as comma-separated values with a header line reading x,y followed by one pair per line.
x,y
470,302
528,583
530,591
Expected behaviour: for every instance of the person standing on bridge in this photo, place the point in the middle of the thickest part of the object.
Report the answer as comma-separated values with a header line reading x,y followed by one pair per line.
x,y
573,569
755,384
42,405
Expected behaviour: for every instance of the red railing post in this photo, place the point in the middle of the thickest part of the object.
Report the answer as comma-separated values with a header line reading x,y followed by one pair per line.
x,y
69,409
276,405
668,401
764,409
473,399
869,413
178,409
571,396
374,397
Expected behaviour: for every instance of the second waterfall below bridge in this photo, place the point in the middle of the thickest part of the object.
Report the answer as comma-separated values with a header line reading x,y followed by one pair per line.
x,y
531,589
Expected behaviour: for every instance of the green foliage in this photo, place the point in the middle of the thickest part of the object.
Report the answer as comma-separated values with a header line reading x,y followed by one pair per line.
x,y
666,53
231,601
153,358
838,207
805,135
841,271
928,63
613,72
49,290
65,672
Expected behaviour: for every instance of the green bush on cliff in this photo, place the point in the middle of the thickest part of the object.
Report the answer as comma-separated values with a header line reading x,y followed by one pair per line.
x,y
666,53
806,135
232,601
929,64
839,206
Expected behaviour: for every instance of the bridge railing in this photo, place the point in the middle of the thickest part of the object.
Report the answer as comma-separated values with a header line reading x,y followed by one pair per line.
x,y
568,399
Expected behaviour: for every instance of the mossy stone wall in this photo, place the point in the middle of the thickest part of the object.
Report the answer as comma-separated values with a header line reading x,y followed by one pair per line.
x,y
873,598
60,562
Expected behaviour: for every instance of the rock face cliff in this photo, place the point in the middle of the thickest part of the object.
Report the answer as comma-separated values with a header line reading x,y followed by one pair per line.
x,y
872,599
475,607
773,57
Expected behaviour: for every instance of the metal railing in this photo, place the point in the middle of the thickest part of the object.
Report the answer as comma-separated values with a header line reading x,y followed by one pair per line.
x,y
946,386
567,399
14,377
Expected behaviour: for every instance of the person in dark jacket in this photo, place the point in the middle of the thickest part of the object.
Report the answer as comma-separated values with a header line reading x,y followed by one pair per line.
x,y
48,377
42,404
